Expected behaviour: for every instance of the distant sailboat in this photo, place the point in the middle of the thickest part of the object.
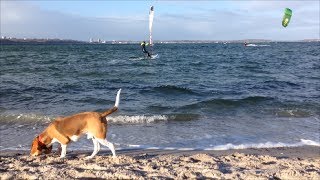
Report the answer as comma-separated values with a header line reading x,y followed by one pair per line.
x,y
151,16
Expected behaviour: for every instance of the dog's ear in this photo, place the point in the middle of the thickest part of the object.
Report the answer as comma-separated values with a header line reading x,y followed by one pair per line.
x,y
35,146
35,140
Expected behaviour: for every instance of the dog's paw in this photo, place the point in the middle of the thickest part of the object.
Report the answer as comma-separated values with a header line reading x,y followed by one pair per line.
x,y
88,157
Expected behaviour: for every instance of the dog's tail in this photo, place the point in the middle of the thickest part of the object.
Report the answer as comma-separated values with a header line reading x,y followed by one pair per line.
x,y
115,108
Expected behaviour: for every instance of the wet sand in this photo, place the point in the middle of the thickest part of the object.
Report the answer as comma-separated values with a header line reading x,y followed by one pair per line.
x,y
265,163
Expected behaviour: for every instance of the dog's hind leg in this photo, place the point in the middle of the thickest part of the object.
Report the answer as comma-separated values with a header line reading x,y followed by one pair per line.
x,y
96,149
109,145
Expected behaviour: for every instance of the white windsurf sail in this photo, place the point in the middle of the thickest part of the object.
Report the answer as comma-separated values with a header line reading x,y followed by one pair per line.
x,y
151,14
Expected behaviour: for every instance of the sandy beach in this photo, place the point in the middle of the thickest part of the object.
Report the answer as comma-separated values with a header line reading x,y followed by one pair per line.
x,y
275,163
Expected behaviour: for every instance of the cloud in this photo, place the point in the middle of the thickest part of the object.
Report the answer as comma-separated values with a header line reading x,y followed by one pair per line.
x,y
21,19
247,19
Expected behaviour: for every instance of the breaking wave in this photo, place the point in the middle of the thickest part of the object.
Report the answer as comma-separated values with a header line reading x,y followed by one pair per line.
x,y
303,142
252,100
257,45
140,119
121,119
24,118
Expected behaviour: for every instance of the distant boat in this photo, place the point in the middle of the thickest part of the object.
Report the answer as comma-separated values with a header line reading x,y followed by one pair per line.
x,y
151,16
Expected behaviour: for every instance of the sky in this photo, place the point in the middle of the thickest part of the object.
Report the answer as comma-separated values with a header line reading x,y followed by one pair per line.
x,y
174,20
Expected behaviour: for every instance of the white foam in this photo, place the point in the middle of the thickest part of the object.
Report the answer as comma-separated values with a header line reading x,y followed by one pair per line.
x,y
251,45
257,45
309,142
10,117
303,142
137,119
265,145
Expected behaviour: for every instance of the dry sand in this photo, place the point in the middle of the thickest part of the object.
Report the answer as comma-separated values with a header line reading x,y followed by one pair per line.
x,y
273,163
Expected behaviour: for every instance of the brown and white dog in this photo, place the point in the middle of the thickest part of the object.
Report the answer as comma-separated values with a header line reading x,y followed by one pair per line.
x,y
67,129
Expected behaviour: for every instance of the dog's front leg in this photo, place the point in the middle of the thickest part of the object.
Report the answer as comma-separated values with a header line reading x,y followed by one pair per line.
x,y
63,150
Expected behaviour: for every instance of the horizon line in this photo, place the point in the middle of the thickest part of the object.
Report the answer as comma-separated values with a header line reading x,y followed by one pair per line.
x,y
211,40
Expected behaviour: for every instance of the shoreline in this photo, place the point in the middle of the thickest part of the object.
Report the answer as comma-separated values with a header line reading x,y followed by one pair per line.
x,y
301,162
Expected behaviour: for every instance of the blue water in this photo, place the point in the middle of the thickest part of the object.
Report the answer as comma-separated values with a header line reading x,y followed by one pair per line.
x,y
192,96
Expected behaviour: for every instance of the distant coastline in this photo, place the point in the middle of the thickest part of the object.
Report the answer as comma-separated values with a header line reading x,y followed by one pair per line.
x,y
16,41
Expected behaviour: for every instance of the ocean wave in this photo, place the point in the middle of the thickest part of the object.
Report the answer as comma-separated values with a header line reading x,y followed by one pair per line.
x,y
303,142
146,119
93,100
172,89
297,113
159,108
252,100
23,118
35,89
122,119
139,119
257,45
184,117
279,84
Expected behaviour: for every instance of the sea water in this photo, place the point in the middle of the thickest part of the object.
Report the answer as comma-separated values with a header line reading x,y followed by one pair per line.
x,y
193,96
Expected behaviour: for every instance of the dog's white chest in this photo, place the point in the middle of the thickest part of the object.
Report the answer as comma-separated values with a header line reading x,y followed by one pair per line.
x,y
74,138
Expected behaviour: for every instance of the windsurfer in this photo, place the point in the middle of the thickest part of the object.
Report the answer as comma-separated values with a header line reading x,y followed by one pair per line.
x,y
144,50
